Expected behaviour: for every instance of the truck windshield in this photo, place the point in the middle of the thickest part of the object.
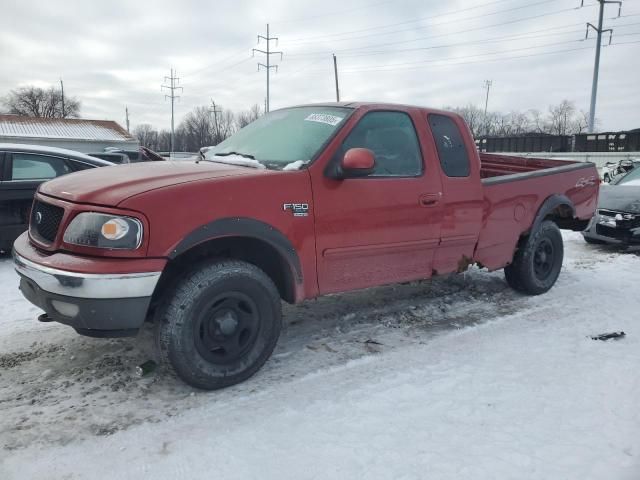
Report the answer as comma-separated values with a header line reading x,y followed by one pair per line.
x,y
283,137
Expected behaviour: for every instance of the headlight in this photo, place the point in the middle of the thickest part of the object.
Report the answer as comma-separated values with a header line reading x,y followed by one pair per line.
x,y
91,229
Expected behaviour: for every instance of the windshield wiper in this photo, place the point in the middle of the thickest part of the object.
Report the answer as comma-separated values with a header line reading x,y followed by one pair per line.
x,y
226,154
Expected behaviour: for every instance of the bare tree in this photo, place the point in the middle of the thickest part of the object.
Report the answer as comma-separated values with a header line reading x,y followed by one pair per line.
x,y
581,122
245,117
474,117
197,129
561,117
146,135
36,102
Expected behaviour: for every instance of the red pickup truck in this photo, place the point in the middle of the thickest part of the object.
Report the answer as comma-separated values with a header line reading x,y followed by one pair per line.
x,y
303,202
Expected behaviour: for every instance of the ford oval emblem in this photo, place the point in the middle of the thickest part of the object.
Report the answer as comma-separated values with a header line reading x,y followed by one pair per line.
x,y
38,218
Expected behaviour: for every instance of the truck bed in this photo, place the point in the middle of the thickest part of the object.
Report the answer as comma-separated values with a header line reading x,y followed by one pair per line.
x,y
514,188
494,167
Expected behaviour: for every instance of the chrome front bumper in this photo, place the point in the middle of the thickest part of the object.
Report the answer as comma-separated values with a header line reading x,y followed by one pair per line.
x,y
98,305
86,285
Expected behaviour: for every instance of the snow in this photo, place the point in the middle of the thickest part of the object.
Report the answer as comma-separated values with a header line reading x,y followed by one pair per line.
x,y
234,160
451,379
294,165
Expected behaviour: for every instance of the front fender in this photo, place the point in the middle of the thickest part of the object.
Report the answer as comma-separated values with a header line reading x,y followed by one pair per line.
x,y
242,227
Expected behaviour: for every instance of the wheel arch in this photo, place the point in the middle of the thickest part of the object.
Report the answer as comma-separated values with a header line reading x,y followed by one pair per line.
x,y
559,209
239,238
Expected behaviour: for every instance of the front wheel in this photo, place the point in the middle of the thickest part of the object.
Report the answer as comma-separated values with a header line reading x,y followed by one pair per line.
x,y
538,261
219,325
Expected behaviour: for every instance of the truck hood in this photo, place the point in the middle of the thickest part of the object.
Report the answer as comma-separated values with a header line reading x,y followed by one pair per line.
x,y
109,186
621,198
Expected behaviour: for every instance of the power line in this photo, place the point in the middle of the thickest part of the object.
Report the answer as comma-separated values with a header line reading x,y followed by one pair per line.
x,y
331,14
217,62
484,27
267,54
444,63
306,39
219,81
172,88
458,20
516,37
596,65
392,66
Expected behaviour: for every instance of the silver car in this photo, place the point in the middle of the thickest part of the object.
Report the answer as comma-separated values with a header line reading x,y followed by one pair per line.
x,y
617,219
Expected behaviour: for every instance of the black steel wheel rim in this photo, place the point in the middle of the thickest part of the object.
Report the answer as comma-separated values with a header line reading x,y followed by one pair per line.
x,y
226,328
543,259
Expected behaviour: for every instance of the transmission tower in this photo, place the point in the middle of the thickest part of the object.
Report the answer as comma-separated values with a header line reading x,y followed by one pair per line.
x,y
172,87
267,54
596,67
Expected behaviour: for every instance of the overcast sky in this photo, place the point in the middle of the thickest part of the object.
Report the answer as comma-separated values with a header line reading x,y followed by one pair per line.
x,y
426,52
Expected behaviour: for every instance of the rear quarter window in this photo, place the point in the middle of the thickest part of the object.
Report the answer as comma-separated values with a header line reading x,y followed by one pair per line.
x,y
452,152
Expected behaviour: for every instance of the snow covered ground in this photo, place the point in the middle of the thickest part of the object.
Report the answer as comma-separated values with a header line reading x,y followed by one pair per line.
x,y
459,378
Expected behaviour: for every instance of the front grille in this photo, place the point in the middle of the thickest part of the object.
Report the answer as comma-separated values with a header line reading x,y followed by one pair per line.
x,y
623,219
607,213
612,232
45,220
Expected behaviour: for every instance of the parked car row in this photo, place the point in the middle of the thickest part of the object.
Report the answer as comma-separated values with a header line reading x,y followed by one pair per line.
x,y
24,167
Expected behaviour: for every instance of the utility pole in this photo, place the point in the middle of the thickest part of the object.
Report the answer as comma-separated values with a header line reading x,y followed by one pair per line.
x,y
487,85
268,65
62,90
596,66
172,88
215,112
126,116
335,72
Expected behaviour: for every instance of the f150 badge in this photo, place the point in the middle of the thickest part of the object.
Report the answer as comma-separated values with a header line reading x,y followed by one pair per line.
x,y
298,209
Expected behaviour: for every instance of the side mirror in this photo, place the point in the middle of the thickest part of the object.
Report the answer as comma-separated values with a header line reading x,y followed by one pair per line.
x,y
357,162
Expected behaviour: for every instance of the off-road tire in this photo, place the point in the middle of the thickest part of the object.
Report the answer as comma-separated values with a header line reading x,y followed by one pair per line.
x,y
183,320
537,261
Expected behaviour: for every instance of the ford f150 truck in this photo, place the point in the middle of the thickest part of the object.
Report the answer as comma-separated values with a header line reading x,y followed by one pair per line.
x,y
305,201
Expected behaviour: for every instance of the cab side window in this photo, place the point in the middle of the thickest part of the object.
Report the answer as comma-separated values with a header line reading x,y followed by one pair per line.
x,y
454,158
29,166
392,138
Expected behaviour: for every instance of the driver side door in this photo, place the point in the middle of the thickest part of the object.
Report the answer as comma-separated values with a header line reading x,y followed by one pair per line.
x,y
385,227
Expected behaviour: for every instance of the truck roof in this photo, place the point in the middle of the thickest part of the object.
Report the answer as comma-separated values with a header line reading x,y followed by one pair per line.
x,y
380,105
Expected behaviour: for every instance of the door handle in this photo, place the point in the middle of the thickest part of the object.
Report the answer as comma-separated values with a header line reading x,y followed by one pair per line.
x,y
430,199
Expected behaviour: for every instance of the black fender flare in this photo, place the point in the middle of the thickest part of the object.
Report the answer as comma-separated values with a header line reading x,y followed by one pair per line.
x,y
243,227
549,205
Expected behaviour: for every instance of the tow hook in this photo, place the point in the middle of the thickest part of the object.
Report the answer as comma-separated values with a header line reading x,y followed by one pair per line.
x,y
44,318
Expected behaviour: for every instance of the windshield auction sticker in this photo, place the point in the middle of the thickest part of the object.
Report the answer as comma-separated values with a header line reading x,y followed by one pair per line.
x,y
324,118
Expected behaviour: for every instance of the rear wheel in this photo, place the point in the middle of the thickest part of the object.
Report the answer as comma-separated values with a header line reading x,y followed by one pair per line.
x,y
219,325
538,261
